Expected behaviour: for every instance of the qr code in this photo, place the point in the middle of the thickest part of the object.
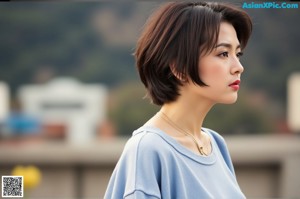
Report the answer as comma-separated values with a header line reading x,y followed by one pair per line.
x,y
12,186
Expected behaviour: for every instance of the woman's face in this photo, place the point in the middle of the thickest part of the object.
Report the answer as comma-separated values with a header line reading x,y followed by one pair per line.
x,y
221,69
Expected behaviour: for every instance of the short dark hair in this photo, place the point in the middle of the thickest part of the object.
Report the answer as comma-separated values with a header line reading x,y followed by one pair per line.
x,y
178,33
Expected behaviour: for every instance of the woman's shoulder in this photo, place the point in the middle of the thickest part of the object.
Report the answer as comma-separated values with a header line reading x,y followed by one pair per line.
x,y
147,140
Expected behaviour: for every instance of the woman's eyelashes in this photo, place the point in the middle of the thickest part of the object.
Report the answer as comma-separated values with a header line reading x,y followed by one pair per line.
x,y
223,54
226,54
239,54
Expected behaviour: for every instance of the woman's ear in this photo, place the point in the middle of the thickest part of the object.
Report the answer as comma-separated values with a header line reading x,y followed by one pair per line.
x,y
179,75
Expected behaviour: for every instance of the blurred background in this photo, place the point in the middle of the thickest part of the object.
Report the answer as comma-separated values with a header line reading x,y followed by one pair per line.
x,y
70,96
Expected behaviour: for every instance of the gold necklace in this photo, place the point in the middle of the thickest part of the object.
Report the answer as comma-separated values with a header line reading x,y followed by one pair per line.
x,y
170,122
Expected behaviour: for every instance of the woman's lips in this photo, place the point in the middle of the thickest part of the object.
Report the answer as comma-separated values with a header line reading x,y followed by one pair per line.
x,y
235,85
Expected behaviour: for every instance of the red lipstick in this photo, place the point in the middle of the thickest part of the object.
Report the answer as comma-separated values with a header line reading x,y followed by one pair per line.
x,y
235,85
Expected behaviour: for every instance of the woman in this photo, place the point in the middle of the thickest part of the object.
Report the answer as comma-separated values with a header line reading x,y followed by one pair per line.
x,y
188,59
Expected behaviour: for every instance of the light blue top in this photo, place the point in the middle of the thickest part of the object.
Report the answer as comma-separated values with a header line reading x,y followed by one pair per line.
x,y
154,165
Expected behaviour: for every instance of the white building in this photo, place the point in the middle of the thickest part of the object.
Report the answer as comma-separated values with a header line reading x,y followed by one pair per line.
x,y
4,101
293,109
81,107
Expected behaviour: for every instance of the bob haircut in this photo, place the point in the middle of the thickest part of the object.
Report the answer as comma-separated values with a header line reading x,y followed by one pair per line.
x,y
174,37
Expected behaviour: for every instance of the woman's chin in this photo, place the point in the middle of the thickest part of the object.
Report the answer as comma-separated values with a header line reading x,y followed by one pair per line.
x,y
230,100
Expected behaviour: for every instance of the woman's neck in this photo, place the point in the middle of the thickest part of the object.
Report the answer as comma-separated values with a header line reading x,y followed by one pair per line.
x,y
187,113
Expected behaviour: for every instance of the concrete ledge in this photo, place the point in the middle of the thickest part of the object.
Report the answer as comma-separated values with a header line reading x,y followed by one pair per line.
x,y
262,149
60,153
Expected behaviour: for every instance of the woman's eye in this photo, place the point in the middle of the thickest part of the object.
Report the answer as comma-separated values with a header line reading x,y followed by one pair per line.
x,y
239,54
224,54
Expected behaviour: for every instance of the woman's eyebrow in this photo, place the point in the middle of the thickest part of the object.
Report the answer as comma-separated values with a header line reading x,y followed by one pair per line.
x,y
227,45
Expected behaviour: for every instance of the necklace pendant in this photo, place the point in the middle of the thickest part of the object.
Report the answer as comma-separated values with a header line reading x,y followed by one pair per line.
x,y
201,150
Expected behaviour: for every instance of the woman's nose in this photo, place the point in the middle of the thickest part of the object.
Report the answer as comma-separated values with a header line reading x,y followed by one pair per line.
x,y
237,67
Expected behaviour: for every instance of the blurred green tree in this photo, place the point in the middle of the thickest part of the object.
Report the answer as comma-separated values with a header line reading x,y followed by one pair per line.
x,y
93,41
128,108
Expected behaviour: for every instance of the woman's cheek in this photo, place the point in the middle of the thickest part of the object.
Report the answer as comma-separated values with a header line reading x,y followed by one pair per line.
x,y
213,73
